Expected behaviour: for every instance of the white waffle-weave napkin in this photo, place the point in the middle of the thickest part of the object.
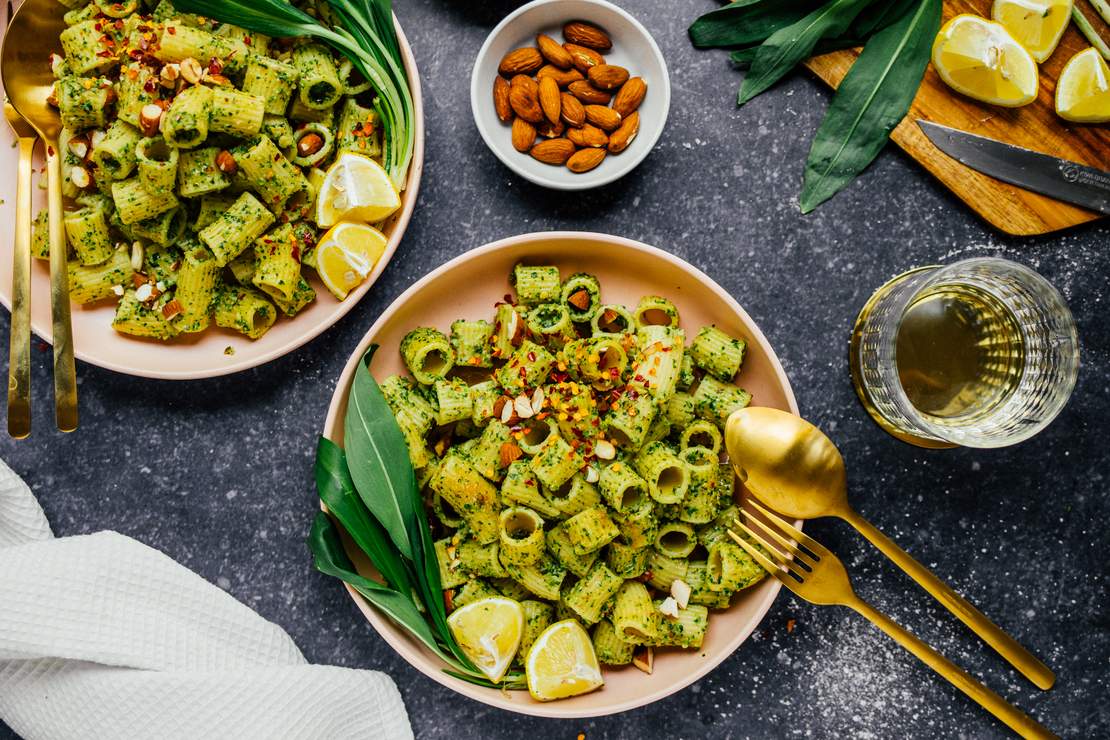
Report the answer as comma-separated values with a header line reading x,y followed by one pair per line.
x,y
103,637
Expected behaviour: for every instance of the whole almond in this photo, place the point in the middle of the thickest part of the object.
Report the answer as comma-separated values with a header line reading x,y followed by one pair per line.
x,y
553,151
524,97
574,114
625,133
550,99
586,34
588,136
550,130
604,118
589,94
629,97
583,58
520,61
607,76
501,99
524,135
585,160
554,52
562,76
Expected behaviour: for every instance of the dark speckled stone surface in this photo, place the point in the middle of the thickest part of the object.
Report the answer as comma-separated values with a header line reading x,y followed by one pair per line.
x,y
218,473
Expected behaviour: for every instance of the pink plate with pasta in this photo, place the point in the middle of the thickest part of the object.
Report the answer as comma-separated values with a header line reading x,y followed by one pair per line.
x,y
468,287
215,351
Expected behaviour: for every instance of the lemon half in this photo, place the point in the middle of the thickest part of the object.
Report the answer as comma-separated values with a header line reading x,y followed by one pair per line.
x,y
489,631
562,663
355,188
347,254
1083,91
1037,25
980,59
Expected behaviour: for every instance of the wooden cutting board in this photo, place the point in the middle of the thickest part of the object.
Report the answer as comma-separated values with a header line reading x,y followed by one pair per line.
x,y
1035,126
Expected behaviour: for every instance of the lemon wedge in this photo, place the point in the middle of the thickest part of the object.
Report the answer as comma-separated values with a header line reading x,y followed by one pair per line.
x,y
562,663
980,59
355,188
489,631
346,254
1035,24
1083,90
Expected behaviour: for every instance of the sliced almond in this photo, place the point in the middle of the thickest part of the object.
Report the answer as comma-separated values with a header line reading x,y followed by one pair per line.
x,y
537,399
523,407
644,658
580,299
172,309
592,476
604,449
137,256
669,607
191,71
680,590
79,176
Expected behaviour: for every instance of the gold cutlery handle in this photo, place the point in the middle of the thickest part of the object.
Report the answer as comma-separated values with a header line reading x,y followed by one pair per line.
x,y
19,350
65,373
1015,719
1020,658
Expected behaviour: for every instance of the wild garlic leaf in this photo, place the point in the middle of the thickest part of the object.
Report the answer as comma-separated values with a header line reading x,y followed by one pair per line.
x,y
746,22
872,99
792,44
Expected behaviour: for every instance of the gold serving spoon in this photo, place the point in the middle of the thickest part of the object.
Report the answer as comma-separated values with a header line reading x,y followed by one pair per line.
x,y
792,467
19,350
25,66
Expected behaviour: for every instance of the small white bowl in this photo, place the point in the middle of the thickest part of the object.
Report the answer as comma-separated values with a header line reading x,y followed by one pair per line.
x,y
633,48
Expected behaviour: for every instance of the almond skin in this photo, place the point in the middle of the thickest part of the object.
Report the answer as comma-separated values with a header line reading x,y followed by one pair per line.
x,y
629,97
583,58
524,135
607,76
586,34
501,99
550,130
554,52
562,76
625,133
521,61
553,151
588,136
524,97
585,160
573,112
589,94
604,118
550,99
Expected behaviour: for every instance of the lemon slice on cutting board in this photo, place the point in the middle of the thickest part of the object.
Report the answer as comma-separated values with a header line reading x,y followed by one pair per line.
x,y
562,663
489,632
346,254
355,188
1083,90
1037,25
980,59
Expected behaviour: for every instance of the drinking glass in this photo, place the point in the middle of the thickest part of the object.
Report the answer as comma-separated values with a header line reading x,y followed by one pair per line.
x,y
979,353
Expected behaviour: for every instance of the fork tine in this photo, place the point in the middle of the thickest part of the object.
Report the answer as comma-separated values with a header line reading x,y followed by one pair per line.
x,y
779,559
786,544
763,560
799,536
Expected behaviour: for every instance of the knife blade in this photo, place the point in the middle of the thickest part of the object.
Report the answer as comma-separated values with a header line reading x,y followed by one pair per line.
x,y
1062,179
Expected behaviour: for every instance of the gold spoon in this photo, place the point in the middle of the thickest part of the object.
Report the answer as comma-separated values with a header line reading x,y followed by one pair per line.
x,y
19,341
25,67
792,467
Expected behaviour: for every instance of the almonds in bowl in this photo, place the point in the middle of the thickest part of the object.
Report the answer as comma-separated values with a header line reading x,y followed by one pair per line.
x,y
561,87
543,109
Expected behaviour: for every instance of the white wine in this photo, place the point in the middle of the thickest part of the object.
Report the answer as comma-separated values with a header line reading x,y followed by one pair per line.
x,y
959,353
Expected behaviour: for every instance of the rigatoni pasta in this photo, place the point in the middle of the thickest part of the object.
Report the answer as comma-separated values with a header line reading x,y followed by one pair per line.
x,y
558,448
185,148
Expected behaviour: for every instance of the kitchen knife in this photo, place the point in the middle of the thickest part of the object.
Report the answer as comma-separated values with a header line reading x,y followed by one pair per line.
x,y
1062,179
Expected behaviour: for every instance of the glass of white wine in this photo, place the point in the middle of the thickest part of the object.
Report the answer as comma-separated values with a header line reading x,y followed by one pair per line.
x,y
980,353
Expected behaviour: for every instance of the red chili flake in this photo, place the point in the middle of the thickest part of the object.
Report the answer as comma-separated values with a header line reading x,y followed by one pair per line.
x,y
530,482
171,30
135,54
646,576
119,22
50,151
143,28
98,26
614,372
285,218
247,40
104,54
596,422
296,253
509,299
639,377
531,357
523,372
277,157
215,66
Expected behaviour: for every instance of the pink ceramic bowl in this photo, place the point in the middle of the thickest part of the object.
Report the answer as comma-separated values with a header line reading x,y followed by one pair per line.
x,y
198,355
467,287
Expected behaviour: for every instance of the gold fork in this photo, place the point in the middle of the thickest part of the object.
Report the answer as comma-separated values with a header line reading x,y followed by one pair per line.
x,y
819,577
